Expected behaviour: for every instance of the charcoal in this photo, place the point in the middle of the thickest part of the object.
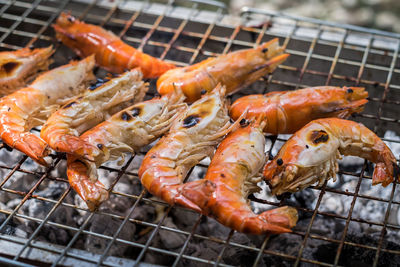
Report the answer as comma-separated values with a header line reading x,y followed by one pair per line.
x,y
238,256
157,257
169,239
184,219
12,227
357,256
13,203
107,225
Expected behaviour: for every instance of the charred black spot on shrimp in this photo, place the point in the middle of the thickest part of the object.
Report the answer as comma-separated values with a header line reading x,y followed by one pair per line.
x,y
191,121
10,67
69,104
125,116
136,111
319,137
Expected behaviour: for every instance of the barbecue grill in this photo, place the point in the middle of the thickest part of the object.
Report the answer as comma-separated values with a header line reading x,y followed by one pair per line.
x,y
346,222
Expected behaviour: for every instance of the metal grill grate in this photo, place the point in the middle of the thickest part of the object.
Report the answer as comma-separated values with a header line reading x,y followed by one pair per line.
x,y
321,54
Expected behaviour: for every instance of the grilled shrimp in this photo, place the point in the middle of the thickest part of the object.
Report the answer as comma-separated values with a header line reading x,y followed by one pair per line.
x,y
288,111
311,154
235,70
98,103
17,68
126,131
111,53
192,137
30,106
232,175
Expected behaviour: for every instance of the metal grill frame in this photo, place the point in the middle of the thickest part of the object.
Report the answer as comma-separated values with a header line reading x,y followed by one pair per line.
x,y
260,32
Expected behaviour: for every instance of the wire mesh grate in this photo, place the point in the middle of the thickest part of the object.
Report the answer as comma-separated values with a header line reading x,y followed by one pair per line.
x,y
184,33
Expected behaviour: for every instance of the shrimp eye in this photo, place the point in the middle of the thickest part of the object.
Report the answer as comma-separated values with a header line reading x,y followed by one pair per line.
x,y
319,137
202,92
190,121
100,146
265,50
135,112
279,162
350,91
125,116
71,19
244,122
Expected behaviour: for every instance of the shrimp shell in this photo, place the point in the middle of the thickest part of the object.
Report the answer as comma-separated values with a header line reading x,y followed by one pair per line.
x,y
111,53
126,131
63,127
286,112
19,67
230,177
192,137
30,106
235,70
311,154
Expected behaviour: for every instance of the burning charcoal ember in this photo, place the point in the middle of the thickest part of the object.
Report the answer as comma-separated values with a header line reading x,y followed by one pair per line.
x,y
106,225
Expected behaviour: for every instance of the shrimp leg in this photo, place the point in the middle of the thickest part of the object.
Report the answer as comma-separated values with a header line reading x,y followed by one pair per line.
x,y
30,106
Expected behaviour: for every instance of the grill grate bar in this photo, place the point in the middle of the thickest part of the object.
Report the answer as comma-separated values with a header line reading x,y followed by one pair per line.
x,y
190,236
336,58
19,20
389,77
306,236
47,24
122,171
228,239
104,255
346,227
235,37
27,196
37,230
383,232
156,229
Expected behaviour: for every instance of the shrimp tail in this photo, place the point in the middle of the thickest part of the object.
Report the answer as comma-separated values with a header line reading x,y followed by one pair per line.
x,y
195,195
91,190
385,173
32,146
280,220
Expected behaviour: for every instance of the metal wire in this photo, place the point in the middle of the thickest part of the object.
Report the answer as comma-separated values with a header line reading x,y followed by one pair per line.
x,y
297,73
